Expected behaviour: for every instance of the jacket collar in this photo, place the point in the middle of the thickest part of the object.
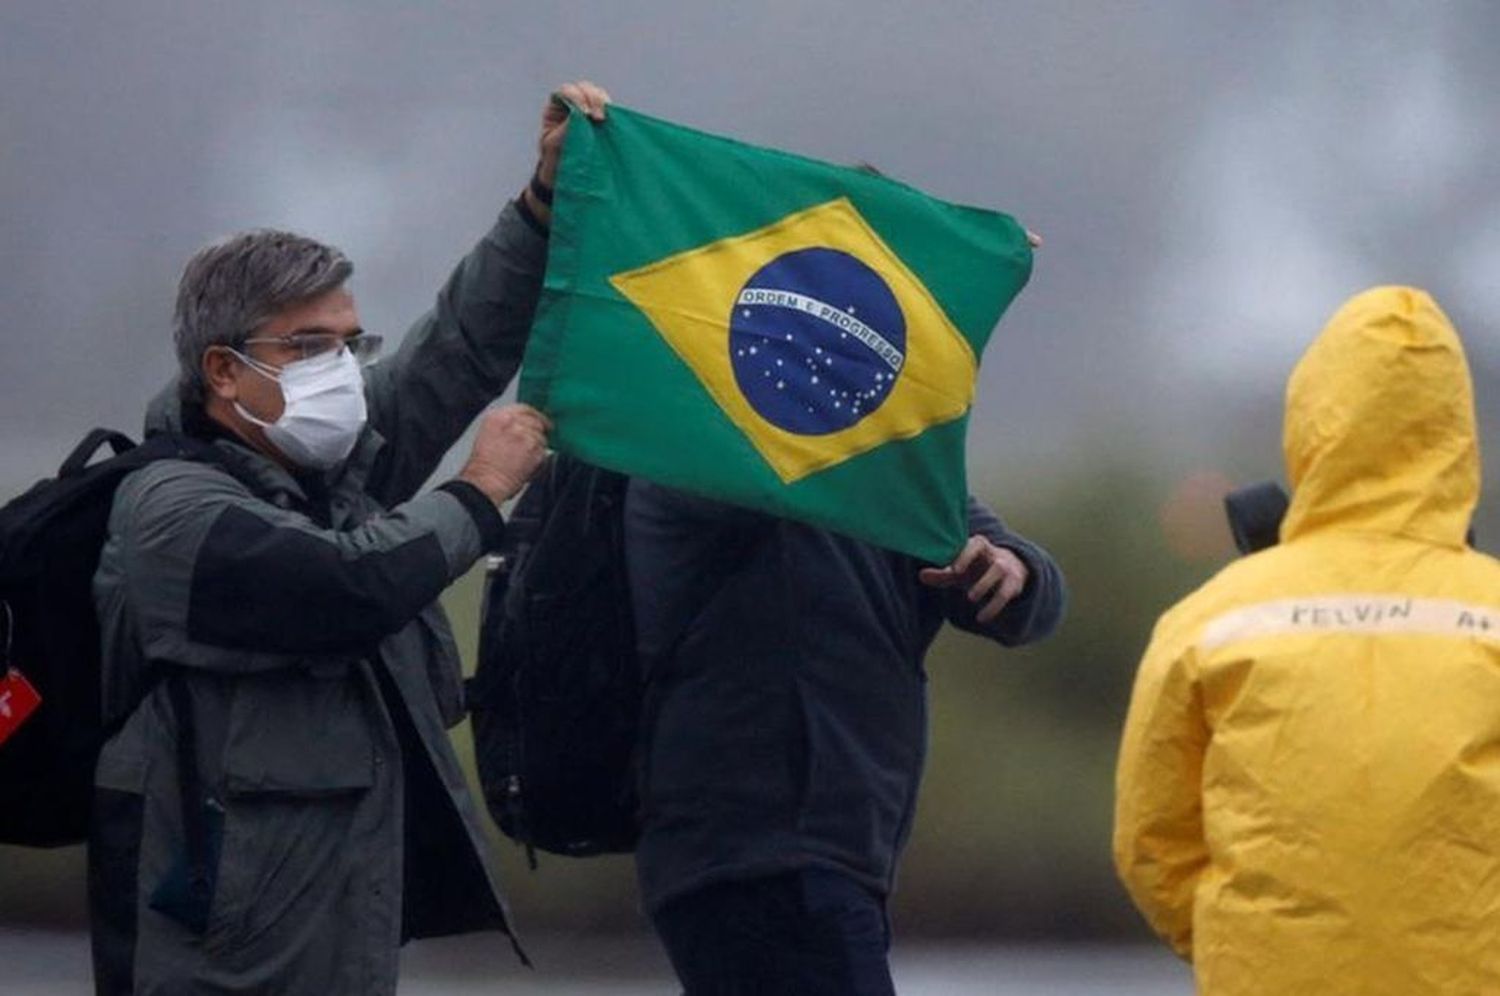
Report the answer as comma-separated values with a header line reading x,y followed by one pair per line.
x,y
266,477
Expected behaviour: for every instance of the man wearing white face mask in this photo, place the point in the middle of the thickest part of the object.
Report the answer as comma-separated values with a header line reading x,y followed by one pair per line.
x,y
322,399
279,807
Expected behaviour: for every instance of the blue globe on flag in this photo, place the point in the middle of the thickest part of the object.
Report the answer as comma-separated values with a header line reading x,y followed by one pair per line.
x,y
816,341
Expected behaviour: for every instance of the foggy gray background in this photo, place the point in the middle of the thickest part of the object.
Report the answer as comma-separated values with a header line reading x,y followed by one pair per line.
x,y
1212,179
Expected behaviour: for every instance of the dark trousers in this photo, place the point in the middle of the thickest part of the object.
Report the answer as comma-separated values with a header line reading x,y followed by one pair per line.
x,y
804,933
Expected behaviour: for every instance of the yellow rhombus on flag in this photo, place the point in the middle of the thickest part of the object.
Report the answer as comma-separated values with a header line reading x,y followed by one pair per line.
x,y
694,298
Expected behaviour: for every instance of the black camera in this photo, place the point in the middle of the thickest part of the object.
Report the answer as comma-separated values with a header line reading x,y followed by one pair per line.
x,y
1255,513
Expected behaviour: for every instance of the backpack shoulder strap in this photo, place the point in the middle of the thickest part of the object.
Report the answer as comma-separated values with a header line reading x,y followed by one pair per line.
x,y
89,445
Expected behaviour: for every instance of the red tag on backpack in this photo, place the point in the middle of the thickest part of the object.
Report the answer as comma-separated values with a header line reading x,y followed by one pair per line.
x,y
18,700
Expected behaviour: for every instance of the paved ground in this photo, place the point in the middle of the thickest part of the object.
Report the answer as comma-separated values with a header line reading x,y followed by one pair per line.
x,y
40,963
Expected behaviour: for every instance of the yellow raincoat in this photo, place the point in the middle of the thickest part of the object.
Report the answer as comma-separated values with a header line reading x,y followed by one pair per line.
x,y
1308,793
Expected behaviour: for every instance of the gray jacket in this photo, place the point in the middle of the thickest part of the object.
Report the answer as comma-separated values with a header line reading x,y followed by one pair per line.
x,y
302,614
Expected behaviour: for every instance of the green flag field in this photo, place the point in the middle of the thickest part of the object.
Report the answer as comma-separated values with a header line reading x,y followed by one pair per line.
x,y
768,330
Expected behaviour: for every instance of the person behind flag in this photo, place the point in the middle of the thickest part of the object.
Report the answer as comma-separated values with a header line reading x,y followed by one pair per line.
x,y
785,728
280,808
1308,791
794,344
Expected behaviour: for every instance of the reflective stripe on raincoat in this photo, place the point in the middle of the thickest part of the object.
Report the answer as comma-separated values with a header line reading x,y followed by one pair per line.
x,y
1308,793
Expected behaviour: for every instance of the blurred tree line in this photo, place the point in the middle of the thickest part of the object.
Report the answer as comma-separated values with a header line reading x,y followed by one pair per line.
x,y
1013,826
1012,831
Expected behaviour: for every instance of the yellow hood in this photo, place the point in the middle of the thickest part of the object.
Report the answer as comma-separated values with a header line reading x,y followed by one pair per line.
x,y
1380,431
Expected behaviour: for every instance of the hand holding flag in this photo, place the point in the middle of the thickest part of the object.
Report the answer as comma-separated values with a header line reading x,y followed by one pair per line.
x,y
993,575
590,99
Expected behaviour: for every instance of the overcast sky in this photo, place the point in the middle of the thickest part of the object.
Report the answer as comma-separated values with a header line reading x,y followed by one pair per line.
x,y
1212,179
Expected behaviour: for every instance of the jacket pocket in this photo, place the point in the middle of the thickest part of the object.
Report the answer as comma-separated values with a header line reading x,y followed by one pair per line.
x,y
287,882
298,764
300,733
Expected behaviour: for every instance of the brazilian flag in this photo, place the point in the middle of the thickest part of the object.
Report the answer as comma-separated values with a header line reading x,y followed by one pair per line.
x,y
768,330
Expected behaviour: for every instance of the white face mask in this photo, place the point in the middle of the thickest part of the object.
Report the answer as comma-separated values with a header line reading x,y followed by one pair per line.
x,y
324,409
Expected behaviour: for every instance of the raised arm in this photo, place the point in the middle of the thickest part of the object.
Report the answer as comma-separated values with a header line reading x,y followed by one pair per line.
x,y
456,358
463,353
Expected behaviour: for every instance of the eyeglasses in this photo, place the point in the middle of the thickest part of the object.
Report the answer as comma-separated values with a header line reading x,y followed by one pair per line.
x,y
364,345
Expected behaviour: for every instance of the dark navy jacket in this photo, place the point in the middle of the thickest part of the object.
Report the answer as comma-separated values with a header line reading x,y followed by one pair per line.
x,y
786,714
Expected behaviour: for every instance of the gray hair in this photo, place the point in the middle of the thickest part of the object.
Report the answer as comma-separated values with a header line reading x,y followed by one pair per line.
x,y
232,287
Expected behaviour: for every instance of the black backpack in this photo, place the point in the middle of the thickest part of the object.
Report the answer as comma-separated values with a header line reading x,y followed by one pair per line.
x,y
556,696
50,539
